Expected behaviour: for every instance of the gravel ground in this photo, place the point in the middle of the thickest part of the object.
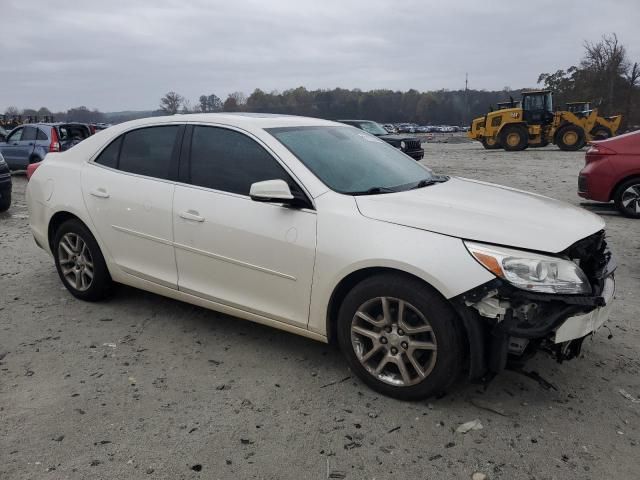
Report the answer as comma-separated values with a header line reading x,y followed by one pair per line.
x,y
145,387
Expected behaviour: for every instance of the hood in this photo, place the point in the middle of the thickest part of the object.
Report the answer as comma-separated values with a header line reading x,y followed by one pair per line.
x,y
485,212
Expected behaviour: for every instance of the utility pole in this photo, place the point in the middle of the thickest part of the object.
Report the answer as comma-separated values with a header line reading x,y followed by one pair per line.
x,y
466,100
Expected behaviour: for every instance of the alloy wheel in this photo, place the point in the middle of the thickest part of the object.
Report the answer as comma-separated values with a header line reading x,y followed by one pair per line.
x,y
631,199
393,341
75,261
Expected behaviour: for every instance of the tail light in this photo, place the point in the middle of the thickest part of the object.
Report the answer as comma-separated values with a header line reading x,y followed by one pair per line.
x,y
54,146
31,168
92,129
596,151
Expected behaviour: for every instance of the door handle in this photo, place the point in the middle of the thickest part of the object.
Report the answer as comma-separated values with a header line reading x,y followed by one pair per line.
x,y
191,215
99,192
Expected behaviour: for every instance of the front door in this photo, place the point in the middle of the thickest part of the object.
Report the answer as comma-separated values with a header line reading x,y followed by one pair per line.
x,y
129,195
258,257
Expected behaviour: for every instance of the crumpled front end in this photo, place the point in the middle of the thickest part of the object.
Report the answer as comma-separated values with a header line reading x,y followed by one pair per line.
x,y
503,321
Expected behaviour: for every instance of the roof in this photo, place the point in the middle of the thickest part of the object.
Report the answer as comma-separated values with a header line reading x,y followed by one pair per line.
x,y
536,91
238,119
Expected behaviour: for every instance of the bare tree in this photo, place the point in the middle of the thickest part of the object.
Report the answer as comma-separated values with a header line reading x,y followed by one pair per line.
x,y
171,103
210,103
606,60
12,111
632,77
239,97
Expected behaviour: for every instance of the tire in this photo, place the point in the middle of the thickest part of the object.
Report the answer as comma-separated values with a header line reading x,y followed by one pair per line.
x,y
570,138
490,143
75,263
5,201
601,133
627,198
439,355
514,138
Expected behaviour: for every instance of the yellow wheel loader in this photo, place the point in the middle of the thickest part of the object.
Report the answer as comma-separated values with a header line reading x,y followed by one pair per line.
x,y
535,124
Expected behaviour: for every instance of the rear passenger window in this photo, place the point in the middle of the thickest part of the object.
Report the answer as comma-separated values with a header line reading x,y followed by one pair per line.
x,y
41,135
109,156
29,133
230,161
148,151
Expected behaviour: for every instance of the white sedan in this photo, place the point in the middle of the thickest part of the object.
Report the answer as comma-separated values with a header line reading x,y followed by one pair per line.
x,y
325,231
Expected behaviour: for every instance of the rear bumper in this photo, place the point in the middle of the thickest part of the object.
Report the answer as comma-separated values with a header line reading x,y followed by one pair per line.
x,y
595,181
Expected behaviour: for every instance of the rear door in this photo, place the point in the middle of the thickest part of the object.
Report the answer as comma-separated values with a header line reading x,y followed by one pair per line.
x,y
128,190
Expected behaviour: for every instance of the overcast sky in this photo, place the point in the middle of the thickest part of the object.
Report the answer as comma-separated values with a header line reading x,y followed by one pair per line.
x,y
125,54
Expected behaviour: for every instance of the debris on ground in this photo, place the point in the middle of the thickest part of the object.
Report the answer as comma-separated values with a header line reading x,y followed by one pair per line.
x,y
479,476
468,426
628,396
490,407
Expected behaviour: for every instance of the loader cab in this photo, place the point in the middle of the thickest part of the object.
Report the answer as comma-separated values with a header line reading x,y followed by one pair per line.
x,y
537,107
579,109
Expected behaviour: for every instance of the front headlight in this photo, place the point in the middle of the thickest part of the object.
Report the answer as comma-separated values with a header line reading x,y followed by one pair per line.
x,y
403,145
531,271
2,162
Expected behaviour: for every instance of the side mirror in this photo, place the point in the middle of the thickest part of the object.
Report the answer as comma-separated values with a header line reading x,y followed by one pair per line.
x,y
273,191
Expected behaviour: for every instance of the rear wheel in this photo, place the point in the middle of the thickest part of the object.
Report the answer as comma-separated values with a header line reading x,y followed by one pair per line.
x,y
514,138
570,138
490,143
80,263
627,198
601,133
400,337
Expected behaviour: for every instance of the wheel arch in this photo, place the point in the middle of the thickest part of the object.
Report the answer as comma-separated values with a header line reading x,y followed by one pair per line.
x,y
614,189
347,283
56,220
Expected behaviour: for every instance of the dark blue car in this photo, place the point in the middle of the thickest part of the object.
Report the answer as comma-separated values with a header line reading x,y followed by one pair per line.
x,y
30,143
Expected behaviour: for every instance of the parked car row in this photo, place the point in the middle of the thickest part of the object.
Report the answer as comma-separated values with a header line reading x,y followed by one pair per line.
x,y
29,143
415,128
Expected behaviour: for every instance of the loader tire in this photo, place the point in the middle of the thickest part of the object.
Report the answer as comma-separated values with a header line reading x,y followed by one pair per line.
x,y
601,133
490,143
570,138
514,138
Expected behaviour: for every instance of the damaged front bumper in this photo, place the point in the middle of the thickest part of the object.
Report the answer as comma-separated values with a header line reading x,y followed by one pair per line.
x,y
503,321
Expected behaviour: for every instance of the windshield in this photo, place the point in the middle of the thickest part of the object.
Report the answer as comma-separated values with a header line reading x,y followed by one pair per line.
x,y
373,128
351,161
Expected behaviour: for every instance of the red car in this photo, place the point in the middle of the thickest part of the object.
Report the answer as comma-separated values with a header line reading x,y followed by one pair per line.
x,y
612,173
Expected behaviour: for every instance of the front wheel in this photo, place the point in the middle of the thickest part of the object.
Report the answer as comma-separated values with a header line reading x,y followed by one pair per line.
x,y
601,133
400,337
627,198
80,263
514,138
490,143
570,138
